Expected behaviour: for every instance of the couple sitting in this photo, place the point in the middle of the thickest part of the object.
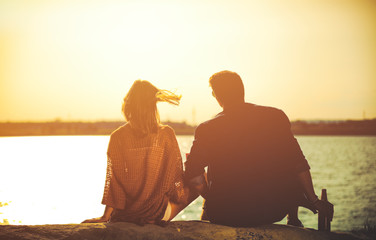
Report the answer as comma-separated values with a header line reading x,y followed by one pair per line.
x,y
257,173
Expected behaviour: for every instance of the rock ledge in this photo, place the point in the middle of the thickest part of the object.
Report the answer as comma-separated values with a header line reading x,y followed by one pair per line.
x,y
175,230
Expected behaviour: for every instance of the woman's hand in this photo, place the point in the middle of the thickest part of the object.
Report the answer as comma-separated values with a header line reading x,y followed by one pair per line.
x,y
105,218
96,220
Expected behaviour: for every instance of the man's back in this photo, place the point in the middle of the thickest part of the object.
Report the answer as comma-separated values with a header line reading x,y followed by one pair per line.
x,y
251,155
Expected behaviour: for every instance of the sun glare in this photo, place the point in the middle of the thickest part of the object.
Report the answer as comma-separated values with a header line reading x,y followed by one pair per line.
x,y
60,57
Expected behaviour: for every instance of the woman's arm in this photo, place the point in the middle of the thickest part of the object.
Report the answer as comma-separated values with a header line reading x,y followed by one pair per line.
x,y
105,218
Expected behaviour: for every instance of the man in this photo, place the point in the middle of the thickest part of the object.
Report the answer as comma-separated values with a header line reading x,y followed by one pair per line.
x,y
257,173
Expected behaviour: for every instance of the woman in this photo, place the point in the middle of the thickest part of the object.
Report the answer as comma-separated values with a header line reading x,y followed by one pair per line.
x,y
144,182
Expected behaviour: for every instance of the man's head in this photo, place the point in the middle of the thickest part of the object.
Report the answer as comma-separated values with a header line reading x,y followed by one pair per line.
x,y
227,87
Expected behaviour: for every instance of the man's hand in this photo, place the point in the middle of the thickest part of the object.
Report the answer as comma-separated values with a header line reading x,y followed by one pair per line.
x,y
199,185
96,220
325,208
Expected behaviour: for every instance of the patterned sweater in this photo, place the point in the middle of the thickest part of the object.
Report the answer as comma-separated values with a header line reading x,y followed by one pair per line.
x,y
143,174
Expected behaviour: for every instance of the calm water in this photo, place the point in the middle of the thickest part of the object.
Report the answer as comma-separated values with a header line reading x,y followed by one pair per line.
x,y
48,180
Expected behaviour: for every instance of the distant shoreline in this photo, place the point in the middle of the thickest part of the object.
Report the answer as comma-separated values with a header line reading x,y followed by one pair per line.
x,y
60,128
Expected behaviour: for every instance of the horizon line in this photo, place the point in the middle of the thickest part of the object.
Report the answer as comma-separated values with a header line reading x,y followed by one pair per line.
x,y
58,120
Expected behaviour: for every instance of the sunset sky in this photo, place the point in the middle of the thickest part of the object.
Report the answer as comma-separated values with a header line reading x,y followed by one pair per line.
x,y
75,60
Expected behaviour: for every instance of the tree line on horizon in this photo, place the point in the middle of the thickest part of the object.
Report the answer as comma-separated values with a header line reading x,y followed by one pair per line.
x,y
348,127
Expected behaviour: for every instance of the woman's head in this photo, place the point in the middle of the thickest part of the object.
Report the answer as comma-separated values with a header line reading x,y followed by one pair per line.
x,y
140,106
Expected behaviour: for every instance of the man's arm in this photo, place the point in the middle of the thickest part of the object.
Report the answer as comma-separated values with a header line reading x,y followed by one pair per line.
x,y
195,175
323,207
306,182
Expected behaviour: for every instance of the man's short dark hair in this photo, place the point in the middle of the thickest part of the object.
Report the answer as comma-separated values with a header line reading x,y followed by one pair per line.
x,y
227,86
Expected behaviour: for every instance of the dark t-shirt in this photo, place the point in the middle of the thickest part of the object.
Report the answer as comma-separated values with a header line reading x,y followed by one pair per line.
x,y
252,159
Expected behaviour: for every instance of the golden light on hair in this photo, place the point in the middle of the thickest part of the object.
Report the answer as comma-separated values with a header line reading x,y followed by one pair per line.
x,y
140,106
168,96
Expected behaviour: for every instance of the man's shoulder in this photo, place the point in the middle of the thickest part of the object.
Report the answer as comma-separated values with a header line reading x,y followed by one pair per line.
x,y
211,122
253,109
267,111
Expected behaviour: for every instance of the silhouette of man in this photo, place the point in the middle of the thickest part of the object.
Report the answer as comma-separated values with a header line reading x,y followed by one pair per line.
x,y
257,173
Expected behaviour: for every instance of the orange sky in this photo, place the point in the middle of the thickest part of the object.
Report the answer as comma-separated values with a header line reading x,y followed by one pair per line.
x,y
75,60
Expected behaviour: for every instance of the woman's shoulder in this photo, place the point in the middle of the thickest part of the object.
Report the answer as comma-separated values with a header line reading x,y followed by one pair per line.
x,y
165,129
126,130
121,130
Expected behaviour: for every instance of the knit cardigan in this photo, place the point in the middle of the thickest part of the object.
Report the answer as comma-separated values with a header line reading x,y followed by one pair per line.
x,y
143,174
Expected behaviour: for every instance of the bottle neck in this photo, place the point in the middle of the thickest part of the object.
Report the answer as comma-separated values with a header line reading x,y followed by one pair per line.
x,y
324,196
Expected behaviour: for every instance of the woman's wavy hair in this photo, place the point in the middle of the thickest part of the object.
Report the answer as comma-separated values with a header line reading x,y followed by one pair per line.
x,y
140,106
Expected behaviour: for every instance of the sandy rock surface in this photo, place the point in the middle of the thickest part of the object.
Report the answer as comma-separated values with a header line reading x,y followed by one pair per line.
x,y
175,230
